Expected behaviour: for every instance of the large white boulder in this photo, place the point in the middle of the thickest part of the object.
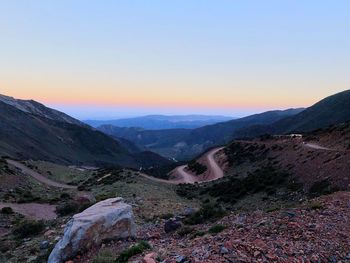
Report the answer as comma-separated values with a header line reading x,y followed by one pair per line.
x,y
109,219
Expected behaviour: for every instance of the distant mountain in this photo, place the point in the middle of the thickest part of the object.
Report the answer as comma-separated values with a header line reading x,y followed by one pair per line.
x,y
160,122
168,143
186,143
332,110
29,130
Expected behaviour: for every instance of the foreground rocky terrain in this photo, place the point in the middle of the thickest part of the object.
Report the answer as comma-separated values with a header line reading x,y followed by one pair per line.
x,y
315,231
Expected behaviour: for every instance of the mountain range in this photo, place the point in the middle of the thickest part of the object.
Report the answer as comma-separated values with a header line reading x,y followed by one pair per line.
x,y
160,122
185,143
30,130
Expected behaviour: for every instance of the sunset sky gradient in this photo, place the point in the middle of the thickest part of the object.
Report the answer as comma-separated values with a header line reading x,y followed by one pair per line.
x,y
104,59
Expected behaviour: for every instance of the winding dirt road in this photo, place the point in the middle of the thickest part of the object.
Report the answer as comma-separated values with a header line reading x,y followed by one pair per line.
x,y
215,171
40,178
33,210
182,176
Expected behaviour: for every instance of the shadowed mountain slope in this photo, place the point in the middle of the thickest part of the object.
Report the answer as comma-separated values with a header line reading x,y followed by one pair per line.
x,y
332,110
25,135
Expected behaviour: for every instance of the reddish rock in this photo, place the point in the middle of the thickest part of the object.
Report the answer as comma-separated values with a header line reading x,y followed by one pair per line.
x,y
149,258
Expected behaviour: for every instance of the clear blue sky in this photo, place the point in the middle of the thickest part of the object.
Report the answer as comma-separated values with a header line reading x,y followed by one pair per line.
x,y
118,58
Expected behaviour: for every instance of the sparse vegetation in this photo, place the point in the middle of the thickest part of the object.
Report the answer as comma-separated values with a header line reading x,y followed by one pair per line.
x,y
132,251
185,230
208,212
316,205
167,216
71,207
67,208
104,256
216,229
104,196
7,210
322,188
187,190
105,176
266,179
196,167
29,228
198,234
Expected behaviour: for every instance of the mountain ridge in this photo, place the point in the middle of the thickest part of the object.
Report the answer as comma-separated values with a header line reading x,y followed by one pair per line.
x,y
158,122
27,135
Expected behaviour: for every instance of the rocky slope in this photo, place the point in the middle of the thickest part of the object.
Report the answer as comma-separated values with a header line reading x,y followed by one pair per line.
x,y
315,231
36,108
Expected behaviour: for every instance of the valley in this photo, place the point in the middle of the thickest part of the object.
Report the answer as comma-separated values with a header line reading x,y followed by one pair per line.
x,y
203,195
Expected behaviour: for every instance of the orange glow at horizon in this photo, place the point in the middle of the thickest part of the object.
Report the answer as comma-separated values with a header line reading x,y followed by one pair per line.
x,y
137,95
159,100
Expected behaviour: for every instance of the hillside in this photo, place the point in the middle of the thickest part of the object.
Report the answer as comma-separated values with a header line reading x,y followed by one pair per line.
x,y
329,111
316,161
36,108
161,122
168,143
45,134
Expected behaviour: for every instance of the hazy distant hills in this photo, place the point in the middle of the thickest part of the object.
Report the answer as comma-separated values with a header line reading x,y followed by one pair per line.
x,y
160,122
29,130
186,143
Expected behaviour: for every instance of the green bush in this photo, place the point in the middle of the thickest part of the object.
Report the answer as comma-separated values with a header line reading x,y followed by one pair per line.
x,y
323,187
29,228
185,230
208,212
104,256
316,206
167,216
68,208
187,190
104,196
216,229
65,196
196,167
7,210
198,234
266,179
132,251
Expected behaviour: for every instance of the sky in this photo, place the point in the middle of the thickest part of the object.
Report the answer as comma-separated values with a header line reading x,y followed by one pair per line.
x,y
105,59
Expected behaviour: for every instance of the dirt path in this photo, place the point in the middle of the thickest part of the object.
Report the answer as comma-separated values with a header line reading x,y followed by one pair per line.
x,y
42,179
181,176
215,171
33,210
316,146
185,177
